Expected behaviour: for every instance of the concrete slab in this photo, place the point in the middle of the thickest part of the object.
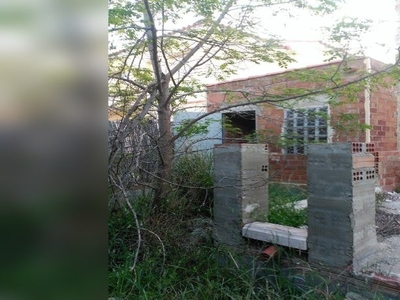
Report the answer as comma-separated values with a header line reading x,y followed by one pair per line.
x,y
277,234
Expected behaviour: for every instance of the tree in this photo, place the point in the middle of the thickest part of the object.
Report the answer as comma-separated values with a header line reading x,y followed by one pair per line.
x,y
160,64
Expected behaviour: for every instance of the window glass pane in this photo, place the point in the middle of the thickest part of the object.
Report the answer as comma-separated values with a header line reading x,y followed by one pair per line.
x,y
323,131
322,121
323,116
311,117
303,126
300,121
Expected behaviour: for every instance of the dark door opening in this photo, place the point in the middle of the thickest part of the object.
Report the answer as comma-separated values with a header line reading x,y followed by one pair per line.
x,y
239,127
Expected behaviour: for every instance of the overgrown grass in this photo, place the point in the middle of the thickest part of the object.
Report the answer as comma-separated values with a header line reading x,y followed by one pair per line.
x,y
282,200
188,272
171,266
192,192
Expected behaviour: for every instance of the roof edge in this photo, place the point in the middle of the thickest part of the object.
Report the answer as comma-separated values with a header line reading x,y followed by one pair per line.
x,y
289,70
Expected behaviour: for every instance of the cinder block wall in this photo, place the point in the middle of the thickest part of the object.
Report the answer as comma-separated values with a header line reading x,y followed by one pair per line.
x,y
241,189
341,205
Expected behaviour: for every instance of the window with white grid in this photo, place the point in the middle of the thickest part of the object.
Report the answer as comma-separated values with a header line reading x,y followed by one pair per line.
x,y
304,126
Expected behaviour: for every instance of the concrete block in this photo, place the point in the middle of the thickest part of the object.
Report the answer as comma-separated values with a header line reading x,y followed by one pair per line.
x,y
277,234
241,192
341,204
322,250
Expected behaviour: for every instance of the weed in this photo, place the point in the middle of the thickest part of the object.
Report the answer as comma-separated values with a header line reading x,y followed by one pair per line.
x,y
167,268
282,200
193,181
379,199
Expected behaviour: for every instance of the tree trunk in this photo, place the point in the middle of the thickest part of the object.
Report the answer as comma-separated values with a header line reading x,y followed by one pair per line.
x,y
165,147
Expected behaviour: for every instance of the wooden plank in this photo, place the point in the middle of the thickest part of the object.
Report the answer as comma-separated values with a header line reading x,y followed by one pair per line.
x,y
277,234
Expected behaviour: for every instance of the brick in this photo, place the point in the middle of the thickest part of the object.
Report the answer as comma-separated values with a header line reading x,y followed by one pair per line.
x,y
363,161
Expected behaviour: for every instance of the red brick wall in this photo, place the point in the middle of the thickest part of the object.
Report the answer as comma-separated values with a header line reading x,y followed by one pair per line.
x,y
292,168
384,119
345,134
288,168
387,165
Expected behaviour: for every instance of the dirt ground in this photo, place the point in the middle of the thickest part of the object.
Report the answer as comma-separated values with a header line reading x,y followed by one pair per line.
x,y
388,236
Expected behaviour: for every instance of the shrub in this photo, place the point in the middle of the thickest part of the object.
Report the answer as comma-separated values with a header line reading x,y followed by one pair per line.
x,y
193,181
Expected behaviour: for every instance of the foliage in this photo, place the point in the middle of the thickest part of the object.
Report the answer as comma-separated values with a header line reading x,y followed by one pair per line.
x,y
379,199
192,177
158,61
174,270
282,199
348,124
199,128
263,136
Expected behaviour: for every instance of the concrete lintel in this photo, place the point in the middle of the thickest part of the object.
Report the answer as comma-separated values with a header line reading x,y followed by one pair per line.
x,y
277,234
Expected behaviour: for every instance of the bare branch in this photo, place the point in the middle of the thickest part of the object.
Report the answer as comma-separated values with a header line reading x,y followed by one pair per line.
x,y
283,99
120,185
152,39
208,34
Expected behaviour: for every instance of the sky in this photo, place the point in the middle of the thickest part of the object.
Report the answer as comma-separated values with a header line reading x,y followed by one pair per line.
x,y
302,33
384,32
383,11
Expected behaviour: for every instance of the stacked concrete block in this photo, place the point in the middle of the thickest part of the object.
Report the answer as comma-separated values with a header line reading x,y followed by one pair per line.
x,y
241,189
341,204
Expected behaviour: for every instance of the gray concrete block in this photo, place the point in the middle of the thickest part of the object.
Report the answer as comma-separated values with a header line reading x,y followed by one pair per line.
x,y
321,250
241,193
341,204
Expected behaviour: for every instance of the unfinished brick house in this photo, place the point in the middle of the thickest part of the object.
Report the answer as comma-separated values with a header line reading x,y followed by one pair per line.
x,y
368,112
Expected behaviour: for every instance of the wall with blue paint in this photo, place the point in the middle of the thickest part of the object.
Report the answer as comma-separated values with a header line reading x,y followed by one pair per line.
x,y
198,142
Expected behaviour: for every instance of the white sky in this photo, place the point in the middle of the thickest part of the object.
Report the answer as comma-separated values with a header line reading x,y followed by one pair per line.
x,y
305,28
384,32
383,11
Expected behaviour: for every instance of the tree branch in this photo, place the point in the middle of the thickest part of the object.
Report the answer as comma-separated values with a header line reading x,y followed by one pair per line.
x,y
208,34
152,39
263,100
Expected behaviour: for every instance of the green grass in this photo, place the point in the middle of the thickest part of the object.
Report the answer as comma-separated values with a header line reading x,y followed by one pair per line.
x,y
168,267
179,272
282,198
186,273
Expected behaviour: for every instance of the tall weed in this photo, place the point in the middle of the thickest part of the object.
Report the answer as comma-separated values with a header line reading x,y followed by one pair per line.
x,y
193,181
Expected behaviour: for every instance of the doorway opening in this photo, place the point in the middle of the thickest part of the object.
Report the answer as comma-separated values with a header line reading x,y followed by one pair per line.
x,y
239,127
